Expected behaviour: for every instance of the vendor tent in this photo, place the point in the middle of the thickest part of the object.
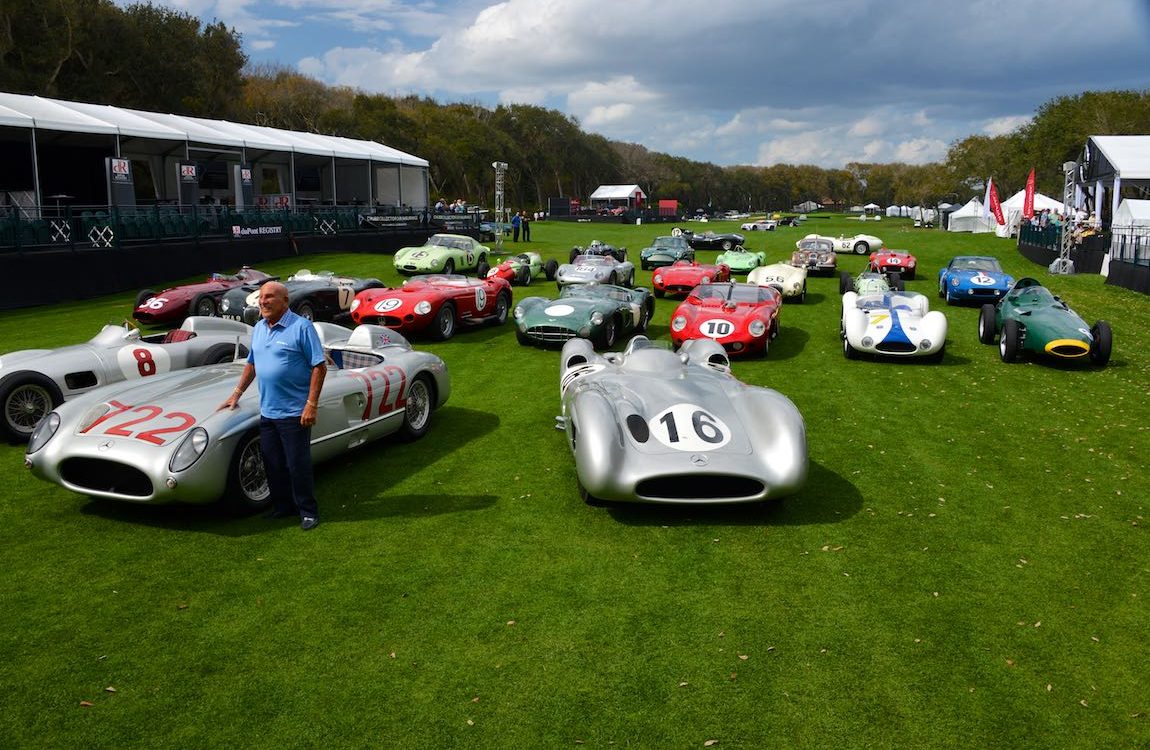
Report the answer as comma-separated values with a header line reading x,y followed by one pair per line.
x,y
618,194
1012,211
969,218
1130,231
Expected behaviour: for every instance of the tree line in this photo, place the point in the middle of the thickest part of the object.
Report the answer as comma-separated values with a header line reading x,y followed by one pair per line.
x,y
159,59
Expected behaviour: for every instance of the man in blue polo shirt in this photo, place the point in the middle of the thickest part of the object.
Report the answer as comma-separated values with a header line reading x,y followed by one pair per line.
x,y
287,359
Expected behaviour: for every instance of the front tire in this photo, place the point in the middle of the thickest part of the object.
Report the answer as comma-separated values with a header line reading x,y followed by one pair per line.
x,y
449,267
551,268
607,335
1008,343
987,327
203,305
247,489
895,280
846,283
502,305
26,399
1103,340
144,296
573,255
443,327
481,270
849,351
417,410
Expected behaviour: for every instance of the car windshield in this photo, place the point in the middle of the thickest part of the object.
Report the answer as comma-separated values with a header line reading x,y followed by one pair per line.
x,y
669,243
594,260
440,240
976,264
887,301
444,279
735,292
595,291
1034,295
816,245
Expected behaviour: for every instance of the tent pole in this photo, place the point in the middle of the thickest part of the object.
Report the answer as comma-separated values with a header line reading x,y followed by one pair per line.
x,y
35,170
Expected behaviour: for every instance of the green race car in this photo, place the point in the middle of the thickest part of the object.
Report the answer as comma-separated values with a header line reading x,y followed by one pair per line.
x,y
741,260
443,253
1030,318
664,251
602,313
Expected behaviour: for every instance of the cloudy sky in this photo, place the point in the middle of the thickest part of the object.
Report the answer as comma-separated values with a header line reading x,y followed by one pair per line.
x,y
725,81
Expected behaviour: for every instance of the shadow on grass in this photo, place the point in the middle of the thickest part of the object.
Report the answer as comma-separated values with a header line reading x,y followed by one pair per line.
x,y
372,468
789,344
826,498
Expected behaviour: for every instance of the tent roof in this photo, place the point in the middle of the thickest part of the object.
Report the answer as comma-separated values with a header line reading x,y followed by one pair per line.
x,y
872,205
22,111
615,192
1127,156
972,207
1132,211
1041,202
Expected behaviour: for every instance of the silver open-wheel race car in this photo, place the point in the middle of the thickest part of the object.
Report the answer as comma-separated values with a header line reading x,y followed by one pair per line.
x,y
651,425
166,440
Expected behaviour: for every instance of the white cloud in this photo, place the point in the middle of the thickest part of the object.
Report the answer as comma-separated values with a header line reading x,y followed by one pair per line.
x,y
1004,125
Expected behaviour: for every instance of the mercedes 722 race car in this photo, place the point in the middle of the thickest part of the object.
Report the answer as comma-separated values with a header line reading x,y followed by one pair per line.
x,y
600,313
650,425
315,296
684,275
175,303
435,303
743,318
1032,319
34,381
977,278
165,439
892,323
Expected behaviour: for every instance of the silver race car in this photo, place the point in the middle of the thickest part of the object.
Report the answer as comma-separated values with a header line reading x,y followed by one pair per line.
x,y
653,426
165,439
34,381
599,269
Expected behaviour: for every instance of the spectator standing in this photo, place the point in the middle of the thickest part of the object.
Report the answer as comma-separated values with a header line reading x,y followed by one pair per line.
x,y
287,359
516,221
525,225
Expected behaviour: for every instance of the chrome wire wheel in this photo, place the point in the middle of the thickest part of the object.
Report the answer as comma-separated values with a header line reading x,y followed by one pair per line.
x,y
252,478
25,406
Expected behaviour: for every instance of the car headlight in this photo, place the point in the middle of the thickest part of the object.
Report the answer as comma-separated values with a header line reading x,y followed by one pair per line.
x,y
658,278
90,418
518,312
191,448
679,323
867,342
796,286
924,344
597,318
226,304
757,328
705,280
423,308
44,431
354,304
954,281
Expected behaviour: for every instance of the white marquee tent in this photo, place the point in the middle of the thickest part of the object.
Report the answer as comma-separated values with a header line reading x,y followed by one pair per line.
x,y
969,218
1130,230
1012,211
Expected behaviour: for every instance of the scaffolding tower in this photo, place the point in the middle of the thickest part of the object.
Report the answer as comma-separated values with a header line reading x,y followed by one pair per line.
x,y
1063,264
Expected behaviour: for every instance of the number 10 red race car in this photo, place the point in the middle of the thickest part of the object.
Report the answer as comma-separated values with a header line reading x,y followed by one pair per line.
x,y
744,318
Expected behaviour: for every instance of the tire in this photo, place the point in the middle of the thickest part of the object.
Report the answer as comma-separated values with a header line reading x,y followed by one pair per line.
x,y
550,268
645,316
26,398
846,283
849,351
1103,340
482,261
937,356
449,266
481,270
802,295
443,327
910,274
590,499
726,245
642,264
607,335
949,299
659,292
861,248
573,255
1009,342
216,354
144,296
523,276
247,489
942,289
203,305
417,411
987,327
895,280
774,332
613,280
502,306
306,311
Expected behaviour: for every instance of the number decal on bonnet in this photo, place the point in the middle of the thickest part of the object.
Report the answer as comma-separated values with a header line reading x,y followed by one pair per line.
x,y
142,361
689,427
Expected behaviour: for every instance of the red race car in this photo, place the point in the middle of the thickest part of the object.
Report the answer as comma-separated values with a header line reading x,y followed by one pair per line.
x,y
893,261
744,318
435,302
172,305
684,275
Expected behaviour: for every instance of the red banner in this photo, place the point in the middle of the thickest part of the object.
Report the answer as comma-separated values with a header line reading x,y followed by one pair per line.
x,y
1028,199
995,205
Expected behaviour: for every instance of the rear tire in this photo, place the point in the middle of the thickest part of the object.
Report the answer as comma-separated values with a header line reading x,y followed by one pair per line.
x,y
727,245
443,327
846,283
1009,342
481,270
306,311
861,248
417,410
217,354
247,489
550,268
26,398
1103,340
895,280
203,305
573,255
645,316
449,267
987,327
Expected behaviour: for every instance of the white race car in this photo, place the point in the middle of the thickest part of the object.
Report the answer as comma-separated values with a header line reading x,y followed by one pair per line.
x,y
759,225
860,244
788,279
892,323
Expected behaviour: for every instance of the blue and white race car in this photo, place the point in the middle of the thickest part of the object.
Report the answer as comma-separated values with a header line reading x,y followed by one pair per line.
x,y
977,278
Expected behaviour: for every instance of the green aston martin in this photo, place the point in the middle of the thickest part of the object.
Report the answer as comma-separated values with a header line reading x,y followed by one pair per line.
x,y
1030,318
602,313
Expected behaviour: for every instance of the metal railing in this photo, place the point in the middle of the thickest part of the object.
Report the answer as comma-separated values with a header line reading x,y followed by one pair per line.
x,y
1130,244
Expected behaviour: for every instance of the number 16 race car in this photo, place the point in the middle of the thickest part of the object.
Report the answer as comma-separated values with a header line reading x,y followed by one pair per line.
x,y
166,440
652,426
34,381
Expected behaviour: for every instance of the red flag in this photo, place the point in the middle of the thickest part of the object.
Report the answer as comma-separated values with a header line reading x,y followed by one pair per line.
x,y
1028,199
995,205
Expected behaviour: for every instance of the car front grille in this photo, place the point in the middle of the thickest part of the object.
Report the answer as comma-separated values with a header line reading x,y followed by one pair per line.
x,y
896,347
100,475
682,487
550,333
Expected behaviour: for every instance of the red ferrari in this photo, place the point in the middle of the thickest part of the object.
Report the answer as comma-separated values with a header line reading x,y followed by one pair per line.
x,y
893,261
744,318
172,305
437,303
684,275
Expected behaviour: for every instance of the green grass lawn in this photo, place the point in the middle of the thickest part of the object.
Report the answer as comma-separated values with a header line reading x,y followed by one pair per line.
x,y
967,566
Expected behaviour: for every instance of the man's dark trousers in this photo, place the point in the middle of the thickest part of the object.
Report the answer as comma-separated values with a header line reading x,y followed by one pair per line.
x,y
286,448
